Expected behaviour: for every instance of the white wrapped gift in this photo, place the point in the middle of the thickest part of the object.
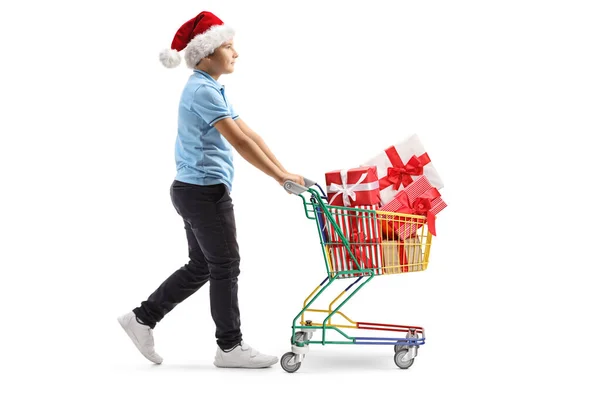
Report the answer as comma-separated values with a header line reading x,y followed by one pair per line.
x,y
399,165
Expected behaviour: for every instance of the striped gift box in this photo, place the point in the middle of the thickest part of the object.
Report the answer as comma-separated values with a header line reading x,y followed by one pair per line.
x,y
359,227
420,189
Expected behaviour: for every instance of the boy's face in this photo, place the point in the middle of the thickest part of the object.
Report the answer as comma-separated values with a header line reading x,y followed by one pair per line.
x,y
223,58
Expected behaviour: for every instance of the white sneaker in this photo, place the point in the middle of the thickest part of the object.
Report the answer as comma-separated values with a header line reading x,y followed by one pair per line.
x,y
141,335
243,356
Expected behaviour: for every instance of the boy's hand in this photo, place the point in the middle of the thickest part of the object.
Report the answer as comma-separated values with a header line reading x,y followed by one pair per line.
x,y
291,177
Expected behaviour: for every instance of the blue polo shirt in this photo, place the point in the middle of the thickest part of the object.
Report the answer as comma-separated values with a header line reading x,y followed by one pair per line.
x,y
202,155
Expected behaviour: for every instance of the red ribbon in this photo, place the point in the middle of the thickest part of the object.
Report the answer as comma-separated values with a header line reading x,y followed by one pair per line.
x,y
400,173
358,250
420,206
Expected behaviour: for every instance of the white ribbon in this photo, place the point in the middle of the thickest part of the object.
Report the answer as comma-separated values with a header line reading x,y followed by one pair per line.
x,y
349,192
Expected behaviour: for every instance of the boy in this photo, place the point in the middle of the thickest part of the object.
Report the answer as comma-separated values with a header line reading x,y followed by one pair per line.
x,y
208,130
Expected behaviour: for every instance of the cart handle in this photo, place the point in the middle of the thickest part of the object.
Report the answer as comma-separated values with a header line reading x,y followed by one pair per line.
x,y
297,189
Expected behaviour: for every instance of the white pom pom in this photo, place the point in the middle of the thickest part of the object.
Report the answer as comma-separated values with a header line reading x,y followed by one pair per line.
x,y
170,58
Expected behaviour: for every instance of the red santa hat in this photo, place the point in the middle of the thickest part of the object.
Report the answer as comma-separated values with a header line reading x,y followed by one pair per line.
x,y
200,36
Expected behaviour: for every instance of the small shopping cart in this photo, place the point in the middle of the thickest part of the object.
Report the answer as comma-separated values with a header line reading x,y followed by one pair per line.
x,y
358,243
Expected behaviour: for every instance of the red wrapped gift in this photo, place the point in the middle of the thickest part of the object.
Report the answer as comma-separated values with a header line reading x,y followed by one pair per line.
x,y
363,233
418,198
353,187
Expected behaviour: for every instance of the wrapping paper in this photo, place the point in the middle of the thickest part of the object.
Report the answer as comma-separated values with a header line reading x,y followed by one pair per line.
x,y
353,187
402,256
419,198
401,164
361,228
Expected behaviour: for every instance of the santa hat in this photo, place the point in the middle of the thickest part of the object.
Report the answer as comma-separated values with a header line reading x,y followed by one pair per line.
x,y
200,36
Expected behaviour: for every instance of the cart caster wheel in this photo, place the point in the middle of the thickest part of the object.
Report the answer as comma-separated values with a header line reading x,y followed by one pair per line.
x,y
398,359
287,362
300,337
399,347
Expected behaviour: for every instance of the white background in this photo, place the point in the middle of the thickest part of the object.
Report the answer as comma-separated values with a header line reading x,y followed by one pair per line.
x,y
504,96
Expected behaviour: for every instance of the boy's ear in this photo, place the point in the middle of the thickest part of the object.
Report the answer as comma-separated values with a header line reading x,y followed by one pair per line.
x,y
200,62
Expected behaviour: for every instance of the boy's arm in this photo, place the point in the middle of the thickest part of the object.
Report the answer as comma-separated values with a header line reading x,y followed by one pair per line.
x,y
250,150
260,142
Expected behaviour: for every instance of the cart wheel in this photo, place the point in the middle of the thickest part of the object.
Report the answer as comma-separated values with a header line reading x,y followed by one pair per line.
x,y
399,347
287,362
300,337
398,359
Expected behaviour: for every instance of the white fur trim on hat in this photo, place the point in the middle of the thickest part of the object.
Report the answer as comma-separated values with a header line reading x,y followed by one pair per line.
x,y
205,44
170,58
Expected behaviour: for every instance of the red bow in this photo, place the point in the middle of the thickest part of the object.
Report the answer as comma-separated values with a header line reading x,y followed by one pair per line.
x,y
400,173
420,206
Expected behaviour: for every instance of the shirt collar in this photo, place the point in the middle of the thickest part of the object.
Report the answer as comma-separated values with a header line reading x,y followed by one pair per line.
x,y
210,78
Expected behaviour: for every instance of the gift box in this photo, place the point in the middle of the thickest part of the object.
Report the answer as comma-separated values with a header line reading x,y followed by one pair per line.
x,y
363,233
393,258
387,229
413,251
353,187
401,164
402,256
418,198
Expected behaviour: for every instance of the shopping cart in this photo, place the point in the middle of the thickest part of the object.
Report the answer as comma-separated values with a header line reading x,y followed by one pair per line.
x,y
358,243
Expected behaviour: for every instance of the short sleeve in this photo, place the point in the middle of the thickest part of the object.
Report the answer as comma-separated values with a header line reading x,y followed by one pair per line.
x,y
233,113
210,105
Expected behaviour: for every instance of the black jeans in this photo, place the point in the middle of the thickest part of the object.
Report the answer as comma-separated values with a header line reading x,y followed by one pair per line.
x,y
209,222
